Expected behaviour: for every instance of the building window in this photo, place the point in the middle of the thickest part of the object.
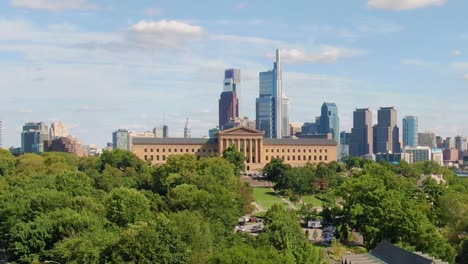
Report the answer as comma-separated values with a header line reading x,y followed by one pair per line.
x,y
315,150
157,150
310,158
164,157
209,151
305,158
294,157
146,150
315,157
282,150
151,150
146,157
277,150
186,150
299,157
320,157
169,150
193,150
288,150
310,150
326,150
181,150
163,150
152,157
175,150
204,150
320,150
266,150
157,157
266,157
294,151
326,157
288,157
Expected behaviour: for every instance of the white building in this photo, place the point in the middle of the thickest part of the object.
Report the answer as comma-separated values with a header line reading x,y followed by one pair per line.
x,y
417,154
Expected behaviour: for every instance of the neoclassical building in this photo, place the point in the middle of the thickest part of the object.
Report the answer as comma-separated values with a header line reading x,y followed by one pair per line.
x,y
257,150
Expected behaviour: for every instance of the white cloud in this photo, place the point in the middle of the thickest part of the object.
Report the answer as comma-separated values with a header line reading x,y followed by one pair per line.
x,y
403,4
54,5
153,12
165,33
327,54
456,53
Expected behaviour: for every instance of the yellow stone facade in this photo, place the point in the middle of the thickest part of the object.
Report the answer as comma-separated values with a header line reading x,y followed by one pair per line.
x,y
257,150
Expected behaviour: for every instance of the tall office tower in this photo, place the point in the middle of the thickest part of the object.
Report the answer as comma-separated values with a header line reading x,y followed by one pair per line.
x,y
345,138
120,139
461,143
410,131
57,130
361,141
228,101
386,132
33,137
439,142
1,134
187,133
165,131
427,139
329,121
285,131
269,104
158,132
449,143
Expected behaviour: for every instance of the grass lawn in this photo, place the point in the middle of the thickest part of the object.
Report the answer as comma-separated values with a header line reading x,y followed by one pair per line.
x,y
311,199
265,197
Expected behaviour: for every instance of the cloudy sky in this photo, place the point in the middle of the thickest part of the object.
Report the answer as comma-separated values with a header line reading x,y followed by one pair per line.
x,y
100,65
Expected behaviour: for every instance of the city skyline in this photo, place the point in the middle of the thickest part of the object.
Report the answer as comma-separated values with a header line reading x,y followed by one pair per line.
x,y
65,62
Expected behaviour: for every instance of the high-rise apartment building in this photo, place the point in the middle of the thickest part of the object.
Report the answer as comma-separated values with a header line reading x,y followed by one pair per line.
x,y
449,143
187,130
269,104
427,139
410,131
285,131
361,142
329,121
386,132
461,143
57,130
228,101
120,139
33,137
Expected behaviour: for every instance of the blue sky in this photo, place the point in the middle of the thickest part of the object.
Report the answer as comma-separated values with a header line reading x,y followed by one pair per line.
x,y
102,65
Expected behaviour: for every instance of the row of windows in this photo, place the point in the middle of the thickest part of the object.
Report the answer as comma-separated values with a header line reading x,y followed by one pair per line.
x,y
159,157
299,158
181,150
294,150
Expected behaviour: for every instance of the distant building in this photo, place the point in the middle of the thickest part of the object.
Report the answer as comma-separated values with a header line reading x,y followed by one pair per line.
x,y
109,146
451,154
439,142
311,128
361,142
58,130
65,144
345,138
33,137
120,139
461,143
449,143
285,132
187,130
437,156
390,157
133,134
410,131
386,132
343,151
329,121
228,101
213,133
244,121
158,132
418,153
427,139
295,129
165,131
269,104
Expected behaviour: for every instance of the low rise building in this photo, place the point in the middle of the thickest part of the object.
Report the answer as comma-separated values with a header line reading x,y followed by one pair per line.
x,y
417,154
258,150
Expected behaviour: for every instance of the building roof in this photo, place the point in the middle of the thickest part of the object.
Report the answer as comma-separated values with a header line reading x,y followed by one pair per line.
x,y
171,141
299,141
390,253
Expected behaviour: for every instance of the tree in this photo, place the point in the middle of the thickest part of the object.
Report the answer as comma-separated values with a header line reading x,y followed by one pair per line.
x,y
235,157
7,163
127,206
276,169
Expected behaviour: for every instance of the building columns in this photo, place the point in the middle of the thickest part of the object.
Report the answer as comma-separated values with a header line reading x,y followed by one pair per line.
x,y
250,150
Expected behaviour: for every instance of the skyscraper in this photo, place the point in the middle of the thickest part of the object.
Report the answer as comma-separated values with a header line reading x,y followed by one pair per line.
x,y
410,131
120,139
33,137
165,131
329,121
461,143
427,139
269,104
187,130
285,130
57,130
361,141
386,132
228,101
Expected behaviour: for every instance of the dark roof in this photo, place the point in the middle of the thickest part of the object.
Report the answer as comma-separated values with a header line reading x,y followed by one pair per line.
x,y
299,141
392,254
169,141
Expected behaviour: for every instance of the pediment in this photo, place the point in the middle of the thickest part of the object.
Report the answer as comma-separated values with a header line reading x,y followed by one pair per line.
x,y
241,130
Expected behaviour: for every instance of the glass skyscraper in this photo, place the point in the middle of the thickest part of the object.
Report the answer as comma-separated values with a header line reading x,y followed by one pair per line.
x,y
410,131
361,142
329,121
120,139
228,102
33,137
269,104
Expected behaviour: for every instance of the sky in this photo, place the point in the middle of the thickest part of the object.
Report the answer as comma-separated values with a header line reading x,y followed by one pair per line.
x,y
101,65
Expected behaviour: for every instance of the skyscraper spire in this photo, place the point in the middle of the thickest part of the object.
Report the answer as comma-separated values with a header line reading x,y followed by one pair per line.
x,y
187,130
